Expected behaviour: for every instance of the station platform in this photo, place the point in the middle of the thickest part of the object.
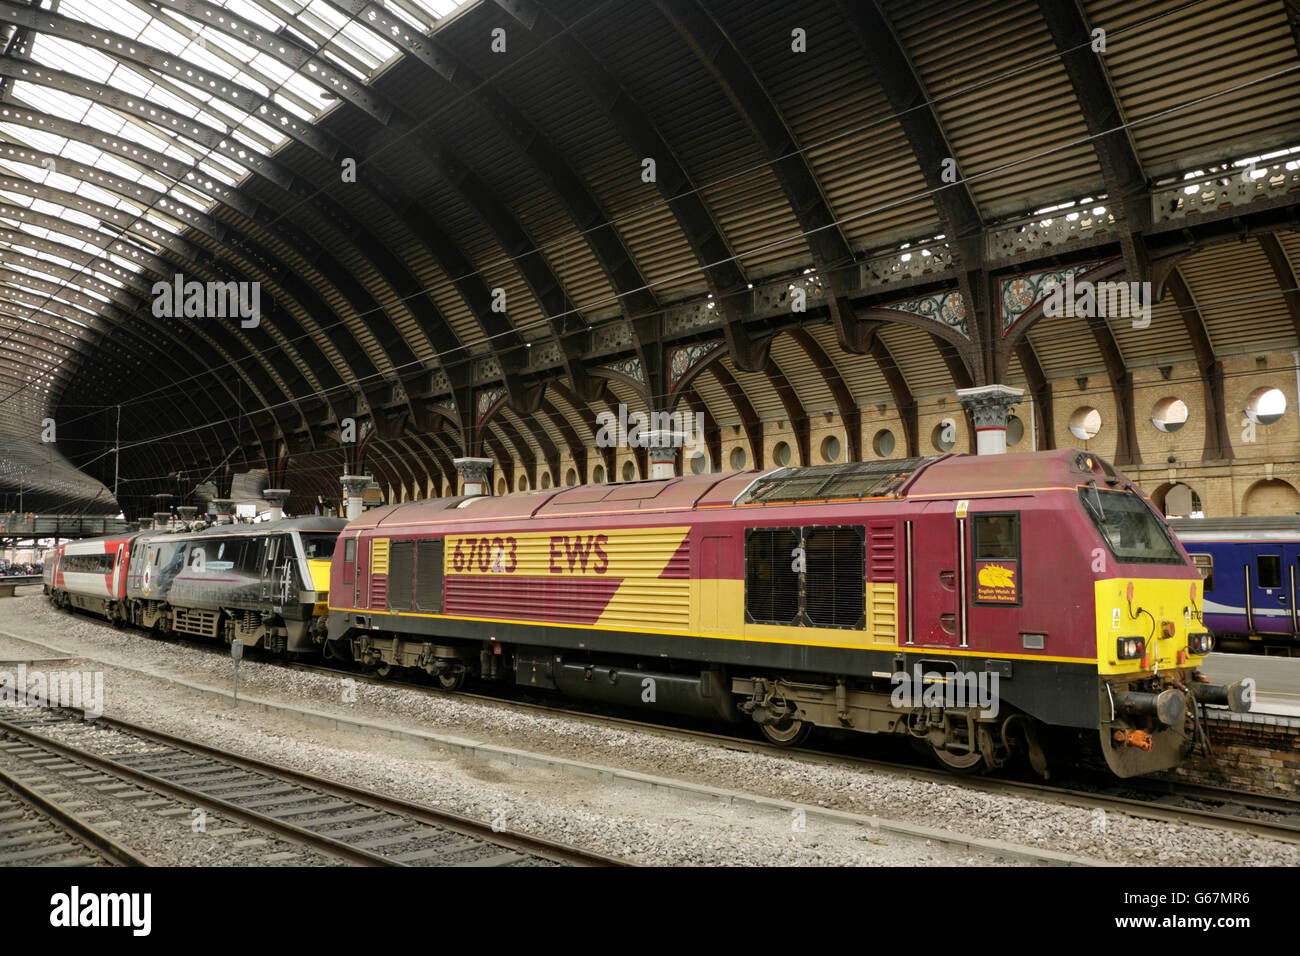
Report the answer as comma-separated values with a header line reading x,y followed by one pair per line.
x,y
1277,680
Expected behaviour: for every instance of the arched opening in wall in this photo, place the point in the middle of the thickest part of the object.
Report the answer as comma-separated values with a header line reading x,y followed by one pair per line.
x,y
1177,500
546,479
1015,431
629,471
1085,423
570,478
1170,414
501,486
830,449
522,483
1265,405
598,474
1271,496
781,454
944,435
737,459
883,443
699,463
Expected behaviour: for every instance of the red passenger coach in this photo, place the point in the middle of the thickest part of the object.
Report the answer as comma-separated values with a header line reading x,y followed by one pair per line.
x,y
90,574
967,602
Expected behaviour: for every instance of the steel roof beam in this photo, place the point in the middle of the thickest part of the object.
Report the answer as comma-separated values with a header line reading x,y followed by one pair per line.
x,y
733,74
716,259
850,414
1218,445
1120,167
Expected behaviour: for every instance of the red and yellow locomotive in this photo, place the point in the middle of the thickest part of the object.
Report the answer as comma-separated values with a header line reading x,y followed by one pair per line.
x,y
968,602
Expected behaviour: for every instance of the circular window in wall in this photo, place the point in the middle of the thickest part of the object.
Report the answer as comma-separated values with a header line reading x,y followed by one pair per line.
x,y
883,443
737,459
1085,423
1015,431
522,484
699,463
944,435
501,486
546,479
598,474
629,471
1265,405
830,449
781,454
1170,414
570,478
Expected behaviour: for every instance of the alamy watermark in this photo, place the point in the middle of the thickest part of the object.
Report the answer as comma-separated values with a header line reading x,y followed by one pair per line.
x,y
1103,300
37,688
208,300
642,429
949,689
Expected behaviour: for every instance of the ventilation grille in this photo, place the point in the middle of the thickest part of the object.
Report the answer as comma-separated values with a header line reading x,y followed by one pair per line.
x,y
882,551
869,479
401,575
771,582
428,569
834,584
379,556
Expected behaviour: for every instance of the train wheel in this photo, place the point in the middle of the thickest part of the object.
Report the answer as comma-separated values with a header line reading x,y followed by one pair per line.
x,y
787,733
452,681
959,763
384,670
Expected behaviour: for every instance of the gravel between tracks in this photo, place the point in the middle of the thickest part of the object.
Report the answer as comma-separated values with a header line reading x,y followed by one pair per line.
x,y
656,828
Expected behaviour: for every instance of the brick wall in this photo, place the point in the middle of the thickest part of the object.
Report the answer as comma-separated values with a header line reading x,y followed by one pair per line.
x,y
1255,753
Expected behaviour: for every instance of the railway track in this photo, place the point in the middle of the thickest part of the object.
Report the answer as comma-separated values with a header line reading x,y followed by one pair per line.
x,y
37,831
356,825
1271,817
1170,801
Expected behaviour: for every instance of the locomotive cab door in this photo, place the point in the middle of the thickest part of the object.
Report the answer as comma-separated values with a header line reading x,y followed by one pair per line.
x,y
270,551
936,577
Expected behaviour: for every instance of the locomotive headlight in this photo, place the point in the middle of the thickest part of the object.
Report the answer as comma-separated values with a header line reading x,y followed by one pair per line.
x,y
1129,648
1201,643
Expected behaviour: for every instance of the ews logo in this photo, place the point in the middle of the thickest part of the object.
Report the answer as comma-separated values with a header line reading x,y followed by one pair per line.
x,y
576,554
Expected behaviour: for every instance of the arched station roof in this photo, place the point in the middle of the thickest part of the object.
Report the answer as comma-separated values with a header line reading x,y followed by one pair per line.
x,y
475,227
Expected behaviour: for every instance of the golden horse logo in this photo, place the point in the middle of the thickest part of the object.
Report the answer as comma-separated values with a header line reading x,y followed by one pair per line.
x,y
996,576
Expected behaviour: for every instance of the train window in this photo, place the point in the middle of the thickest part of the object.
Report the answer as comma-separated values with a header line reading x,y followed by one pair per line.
x,y
1269,570
771,575
401,575
1130,529
428,575
349,557
835,581
249,557
997,537
1205,564
319,546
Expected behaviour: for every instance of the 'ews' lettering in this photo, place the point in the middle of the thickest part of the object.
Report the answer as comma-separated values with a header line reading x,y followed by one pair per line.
x,y
577,551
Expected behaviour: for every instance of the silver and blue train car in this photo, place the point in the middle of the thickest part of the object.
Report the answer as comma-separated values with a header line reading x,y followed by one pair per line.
x,y
1251,567
264,584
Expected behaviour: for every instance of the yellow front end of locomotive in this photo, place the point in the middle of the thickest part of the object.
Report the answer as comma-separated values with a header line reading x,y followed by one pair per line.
x,y
1149,625
320,583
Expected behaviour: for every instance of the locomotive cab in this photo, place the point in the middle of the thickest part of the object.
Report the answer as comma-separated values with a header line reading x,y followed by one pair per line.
x,y
1151,632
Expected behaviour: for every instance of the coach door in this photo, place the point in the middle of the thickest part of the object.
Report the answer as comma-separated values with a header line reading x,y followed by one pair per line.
x,y
118,566
1269,592
935,577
